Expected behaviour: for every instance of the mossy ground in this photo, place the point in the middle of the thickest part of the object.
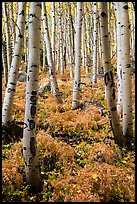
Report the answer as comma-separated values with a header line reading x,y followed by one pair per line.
x,y
79,158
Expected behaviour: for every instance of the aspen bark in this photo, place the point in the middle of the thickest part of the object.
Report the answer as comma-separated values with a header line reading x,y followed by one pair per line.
x,y
61,38
7,35
119,68
69,41
4,63
53,32
77,74
126,75
12,26
16,60
108,78
95,43
29,135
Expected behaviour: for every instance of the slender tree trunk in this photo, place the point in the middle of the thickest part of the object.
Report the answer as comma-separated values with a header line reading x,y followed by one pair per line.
x,y
52,74
12,26
95,43
69,41
53,31
61,38
16,60
7,35
29,134
77,75
119,68
108,78
126,75
5,68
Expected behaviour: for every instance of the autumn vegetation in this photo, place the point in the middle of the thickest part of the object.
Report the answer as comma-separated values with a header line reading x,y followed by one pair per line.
x,y
79,157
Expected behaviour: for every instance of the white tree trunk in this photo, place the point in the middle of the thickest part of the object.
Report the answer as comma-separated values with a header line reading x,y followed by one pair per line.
x,y
119,68
108,78
77,75
69,41
16,60
126,74
7,35
12,26
53,31
52,74
5,68
61,38
29,134
95,43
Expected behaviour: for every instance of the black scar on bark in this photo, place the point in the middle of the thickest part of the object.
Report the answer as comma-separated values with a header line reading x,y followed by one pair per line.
x,y
113,94
125,7
31,124
113,109
128,65
10,90
34,92
33,146
33,99
103,14
13,84
33,65
106,78
33,111
22,13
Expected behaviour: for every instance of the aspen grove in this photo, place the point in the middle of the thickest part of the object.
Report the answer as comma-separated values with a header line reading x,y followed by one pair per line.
x,y
68,101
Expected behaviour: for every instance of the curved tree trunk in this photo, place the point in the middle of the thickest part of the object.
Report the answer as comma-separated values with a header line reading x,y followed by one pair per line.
x,y
126,75
29,134
77,75
49,57
108,78
16,60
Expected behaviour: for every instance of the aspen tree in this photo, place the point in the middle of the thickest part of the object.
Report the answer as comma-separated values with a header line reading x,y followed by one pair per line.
x,y
61,38
4,63
12,25
16,60
7,35
95,42
126,75
119,68
108,78
69,41
84,42
53,31
29,135
52,74
77,74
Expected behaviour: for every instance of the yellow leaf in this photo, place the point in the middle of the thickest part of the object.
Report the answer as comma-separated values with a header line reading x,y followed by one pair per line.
x,y
74,185
123,161
94,176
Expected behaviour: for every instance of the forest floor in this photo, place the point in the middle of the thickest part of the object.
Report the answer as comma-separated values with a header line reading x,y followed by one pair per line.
x,y
78,157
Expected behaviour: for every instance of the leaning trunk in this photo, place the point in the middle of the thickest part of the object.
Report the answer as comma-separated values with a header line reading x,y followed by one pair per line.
x,y
108,78
16,60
